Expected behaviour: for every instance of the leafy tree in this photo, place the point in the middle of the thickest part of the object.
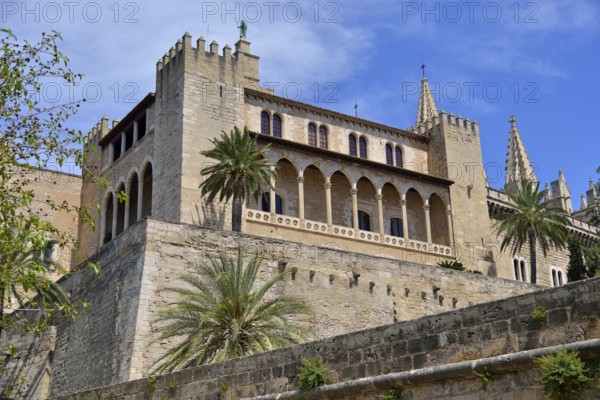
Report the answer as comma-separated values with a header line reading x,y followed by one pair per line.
x,y
33,136
576,270
218,316
240,170
530,221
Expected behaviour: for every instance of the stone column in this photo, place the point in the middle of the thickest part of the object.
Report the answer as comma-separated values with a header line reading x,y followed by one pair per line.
x,y
354,192
300,181
427,221
123,142
135,131
140,199
115,213
379,198
404,217
328,202
272,202
127,205
450,230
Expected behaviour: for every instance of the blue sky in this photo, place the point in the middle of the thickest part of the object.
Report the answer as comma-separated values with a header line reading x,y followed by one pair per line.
x,y
485,60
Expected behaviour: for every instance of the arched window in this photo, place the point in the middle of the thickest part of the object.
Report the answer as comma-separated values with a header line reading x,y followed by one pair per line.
x,y
364,221
363,147
352,145
133,199
265,123
147,192
516,267
266,203
276,125
399,161
120,210
560,279
554,281
108,218
312,134
396,228
523,272
389,157
323,136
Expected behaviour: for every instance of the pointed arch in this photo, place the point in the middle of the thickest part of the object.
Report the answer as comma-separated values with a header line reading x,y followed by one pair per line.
x,y
286,186
415,214
147,182
314,204
367,203
341,199
439,220
392,210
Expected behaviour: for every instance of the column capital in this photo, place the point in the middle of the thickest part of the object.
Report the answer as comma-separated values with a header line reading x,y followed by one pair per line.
x,y
426,207
327,185
403,202
354,191
379,196
449,212
300,179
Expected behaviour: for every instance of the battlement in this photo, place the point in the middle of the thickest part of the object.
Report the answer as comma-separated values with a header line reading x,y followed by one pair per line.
x,y
446,120
184,47
97,132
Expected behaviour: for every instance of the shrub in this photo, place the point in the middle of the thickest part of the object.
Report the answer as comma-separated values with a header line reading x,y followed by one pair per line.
x,y
313,373
563,375
456,265
392,394
539,315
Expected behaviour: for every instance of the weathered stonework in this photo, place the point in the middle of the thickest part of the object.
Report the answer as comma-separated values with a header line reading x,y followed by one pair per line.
x,y
434,357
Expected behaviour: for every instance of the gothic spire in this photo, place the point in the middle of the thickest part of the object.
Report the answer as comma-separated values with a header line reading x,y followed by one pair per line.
x,y
518,165
427,108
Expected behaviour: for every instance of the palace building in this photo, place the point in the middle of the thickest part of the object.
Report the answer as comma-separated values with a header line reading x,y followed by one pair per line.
x,y
418,194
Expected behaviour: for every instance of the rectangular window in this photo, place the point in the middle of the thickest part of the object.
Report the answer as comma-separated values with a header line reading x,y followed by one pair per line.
x,y
396,228
116,149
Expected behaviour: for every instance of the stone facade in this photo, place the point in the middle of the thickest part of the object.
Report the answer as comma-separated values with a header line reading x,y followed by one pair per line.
x,y
418,194
434,357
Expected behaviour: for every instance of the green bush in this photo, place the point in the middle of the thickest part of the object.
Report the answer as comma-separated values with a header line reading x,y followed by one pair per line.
x,y
313,373
392,394
458,266
539,315
563,375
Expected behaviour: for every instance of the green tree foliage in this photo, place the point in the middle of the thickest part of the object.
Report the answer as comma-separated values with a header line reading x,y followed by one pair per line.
x,y
576,270
218,316
530,221
240,170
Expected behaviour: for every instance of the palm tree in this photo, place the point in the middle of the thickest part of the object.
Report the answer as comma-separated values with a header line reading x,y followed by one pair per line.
x,y
531,221
218,316
240,170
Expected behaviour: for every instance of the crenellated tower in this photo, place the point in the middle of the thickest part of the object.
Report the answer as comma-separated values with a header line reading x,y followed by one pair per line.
x,y
455,153
199,94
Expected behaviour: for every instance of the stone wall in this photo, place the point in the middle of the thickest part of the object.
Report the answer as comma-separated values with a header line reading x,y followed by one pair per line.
x,y
27,374
113,343
434,357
